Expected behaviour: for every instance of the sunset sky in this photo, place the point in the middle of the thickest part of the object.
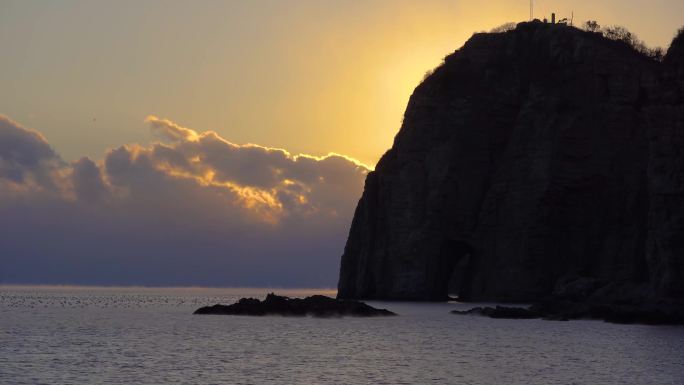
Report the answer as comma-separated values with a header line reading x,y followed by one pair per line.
x,y
310,76
215,101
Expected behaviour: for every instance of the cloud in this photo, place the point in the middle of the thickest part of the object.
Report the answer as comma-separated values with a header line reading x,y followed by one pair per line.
x,y
170,130
196,209
88,183
26,158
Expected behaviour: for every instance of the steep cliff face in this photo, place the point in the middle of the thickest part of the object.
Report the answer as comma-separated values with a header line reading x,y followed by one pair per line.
x,y
529,161
665,127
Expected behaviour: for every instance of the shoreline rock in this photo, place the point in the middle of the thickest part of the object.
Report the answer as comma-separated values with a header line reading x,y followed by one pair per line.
x,y
315,305
555,310
501,312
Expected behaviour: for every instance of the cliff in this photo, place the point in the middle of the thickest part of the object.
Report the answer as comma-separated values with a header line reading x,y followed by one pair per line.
x,y
542,161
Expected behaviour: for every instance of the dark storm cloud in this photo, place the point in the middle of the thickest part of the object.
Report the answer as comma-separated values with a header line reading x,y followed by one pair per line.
x,y
195,210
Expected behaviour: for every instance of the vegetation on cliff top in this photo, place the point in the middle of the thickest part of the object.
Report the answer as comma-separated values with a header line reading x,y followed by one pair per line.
x,y
622,34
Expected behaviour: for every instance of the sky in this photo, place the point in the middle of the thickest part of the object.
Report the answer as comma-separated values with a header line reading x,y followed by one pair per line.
x,y
218,143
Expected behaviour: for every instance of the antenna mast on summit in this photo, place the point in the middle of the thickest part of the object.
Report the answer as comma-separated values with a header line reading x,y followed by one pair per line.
x,y
531,9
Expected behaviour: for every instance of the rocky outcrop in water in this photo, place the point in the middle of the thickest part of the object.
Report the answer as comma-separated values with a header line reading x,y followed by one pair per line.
x,y
651,313
315,305
501,312
538,163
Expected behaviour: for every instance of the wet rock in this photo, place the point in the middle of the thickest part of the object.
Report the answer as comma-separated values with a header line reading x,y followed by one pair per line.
x,y
502,312
658,313
316,306
653,313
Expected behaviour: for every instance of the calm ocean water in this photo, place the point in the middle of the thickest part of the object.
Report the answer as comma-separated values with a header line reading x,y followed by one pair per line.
x,y
77,335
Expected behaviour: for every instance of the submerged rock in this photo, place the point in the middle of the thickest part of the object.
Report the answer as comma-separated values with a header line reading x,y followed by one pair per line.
x,y
501,312
315,305
653,314
587,298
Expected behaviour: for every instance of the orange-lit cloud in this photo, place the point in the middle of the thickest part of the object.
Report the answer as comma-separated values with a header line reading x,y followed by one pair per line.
x,y
232,205
268,182
169,129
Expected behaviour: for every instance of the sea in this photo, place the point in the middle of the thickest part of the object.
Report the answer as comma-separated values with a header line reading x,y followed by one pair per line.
x,y
136,335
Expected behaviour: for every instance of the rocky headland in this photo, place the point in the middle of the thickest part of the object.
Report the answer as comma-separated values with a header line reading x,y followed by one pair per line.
x,y
315,305
543,165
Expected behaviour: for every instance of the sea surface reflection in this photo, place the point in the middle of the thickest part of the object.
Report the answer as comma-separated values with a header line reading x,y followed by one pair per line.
x,y
78,335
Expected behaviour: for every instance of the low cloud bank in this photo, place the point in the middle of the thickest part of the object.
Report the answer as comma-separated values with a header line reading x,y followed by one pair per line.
x,y
193,209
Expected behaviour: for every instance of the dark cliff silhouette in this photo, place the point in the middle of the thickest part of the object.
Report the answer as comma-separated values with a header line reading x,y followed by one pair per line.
x,y
537,162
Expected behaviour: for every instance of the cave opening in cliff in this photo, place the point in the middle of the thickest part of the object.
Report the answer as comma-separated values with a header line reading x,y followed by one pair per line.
x,y
457,256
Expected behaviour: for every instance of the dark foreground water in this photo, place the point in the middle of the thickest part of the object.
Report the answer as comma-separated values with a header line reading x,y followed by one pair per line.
x,y
75,335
